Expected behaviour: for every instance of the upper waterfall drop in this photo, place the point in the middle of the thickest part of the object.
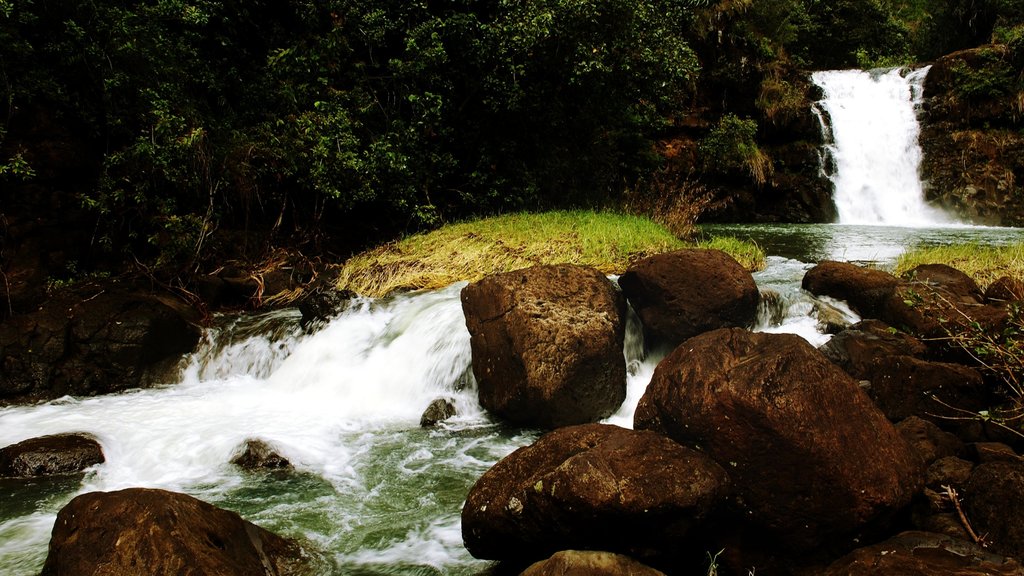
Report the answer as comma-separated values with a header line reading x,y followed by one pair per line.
x,y
869,120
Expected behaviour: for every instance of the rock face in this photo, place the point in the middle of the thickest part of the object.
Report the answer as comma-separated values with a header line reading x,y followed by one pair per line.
x,y
864,289
162,532
810,456
686,292
593,486
547,344
50,456
970,134
923,554
586,563
107,342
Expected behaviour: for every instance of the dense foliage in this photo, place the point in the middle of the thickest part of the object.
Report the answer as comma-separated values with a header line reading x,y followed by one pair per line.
x,y
165,121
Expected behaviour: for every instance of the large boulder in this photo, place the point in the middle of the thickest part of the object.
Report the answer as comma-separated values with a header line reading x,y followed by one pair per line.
x,y
589,563
1005,289
864,289
924,554
686,292
811,457
97,340
591,487
56,455
162,533
547,344
957,283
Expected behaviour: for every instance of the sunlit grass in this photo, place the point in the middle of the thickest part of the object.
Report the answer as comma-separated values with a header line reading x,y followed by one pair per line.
x,y
471,250
983,263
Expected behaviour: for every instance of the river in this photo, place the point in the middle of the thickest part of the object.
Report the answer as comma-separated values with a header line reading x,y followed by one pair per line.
x,y
372,492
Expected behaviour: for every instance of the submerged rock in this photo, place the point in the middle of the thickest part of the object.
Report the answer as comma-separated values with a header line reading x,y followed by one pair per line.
x,y
811,457
589,563
547,344
686,292
258,455
57,455
595,487
439,410
148,531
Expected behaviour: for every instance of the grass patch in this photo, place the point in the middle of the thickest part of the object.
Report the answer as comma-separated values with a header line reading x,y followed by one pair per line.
x,y
983,263
471,250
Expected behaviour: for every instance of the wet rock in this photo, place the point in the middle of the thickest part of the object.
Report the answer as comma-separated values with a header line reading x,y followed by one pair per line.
x,y
994,502
595,487
589,563
547,344
864,289
321,306
686,292
439,410
57,455
258,455
831,320
98,341
162,532
811,457
923,554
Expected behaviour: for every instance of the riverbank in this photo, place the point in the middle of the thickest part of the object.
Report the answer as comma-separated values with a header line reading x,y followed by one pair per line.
x,y
468,251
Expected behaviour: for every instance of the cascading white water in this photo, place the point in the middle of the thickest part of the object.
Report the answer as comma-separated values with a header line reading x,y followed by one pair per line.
x,y
373,491
869,119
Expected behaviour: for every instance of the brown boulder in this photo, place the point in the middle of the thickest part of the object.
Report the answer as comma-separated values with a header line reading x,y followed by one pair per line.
x,y
596,487
928,440
857,349
1005,289
811,457
589,563
686,292
547,344
57,455
933,314
923,554
949,279
864,289
162,533
904,386
994,502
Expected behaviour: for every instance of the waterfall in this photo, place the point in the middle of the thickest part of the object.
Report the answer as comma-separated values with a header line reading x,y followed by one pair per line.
x,y
869,121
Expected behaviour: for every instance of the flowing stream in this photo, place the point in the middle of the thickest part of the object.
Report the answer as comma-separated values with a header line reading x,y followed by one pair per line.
x,y
869,119
372,492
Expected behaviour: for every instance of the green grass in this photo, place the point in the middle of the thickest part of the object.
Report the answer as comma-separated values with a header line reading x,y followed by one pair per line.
x,y
983,263
471,250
